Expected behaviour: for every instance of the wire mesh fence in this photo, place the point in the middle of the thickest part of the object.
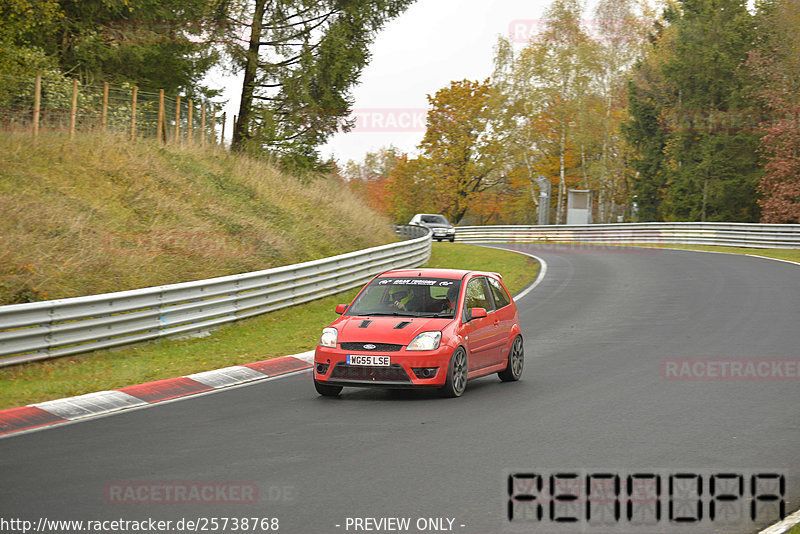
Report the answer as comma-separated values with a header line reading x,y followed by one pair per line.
x,y
51,102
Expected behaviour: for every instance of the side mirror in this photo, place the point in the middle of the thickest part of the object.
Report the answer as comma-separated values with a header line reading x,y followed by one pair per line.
x,y
341,308
477,313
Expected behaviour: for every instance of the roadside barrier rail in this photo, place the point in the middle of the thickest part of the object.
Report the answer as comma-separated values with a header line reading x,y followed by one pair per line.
x,y
54,328
678,233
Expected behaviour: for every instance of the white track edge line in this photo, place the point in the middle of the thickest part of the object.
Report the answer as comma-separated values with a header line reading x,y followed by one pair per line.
x,y
539,277
784,525
721,252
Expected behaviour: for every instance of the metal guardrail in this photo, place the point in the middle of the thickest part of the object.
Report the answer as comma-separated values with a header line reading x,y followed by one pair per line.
x,y
410,231
55,328
51,329
678,233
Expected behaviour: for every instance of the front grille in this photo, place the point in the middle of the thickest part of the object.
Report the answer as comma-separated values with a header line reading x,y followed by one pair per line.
x,y
366,373
379,347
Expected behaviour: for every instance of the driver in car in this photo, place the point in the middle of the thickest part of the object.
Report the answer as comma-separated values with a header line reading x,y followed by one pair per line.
x,y
452,299
399,298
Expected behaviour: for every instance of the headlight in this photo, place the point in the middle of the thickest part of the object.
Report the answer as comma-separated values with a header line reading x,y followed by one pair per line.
x,y
451,230
425,341
328,338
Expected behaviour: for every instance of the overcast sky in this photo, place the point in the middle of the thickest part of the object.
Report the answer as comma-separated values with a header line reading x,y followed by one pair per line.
x,y
431,44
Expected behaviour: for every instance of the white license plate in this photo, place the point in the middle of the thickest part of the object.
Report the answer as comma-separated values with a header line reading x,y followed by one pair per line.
x,y
358,359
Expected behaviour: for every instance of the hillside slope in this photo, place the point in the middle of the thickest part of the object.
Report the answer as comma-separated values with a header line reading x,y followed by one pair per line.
x,y
101,214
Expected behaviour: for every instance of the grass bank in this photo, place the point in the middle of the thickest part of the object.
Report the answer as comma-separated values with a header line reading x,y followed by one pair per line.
x,y
286,331
98,214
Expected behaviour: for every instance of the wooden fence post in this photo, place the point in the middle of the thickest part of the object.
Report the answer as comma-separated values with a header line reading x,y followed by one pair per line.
x,y
222,135
189,126
214,125
104,113
203,124
37,104
133,113
177,120
73,111
160,133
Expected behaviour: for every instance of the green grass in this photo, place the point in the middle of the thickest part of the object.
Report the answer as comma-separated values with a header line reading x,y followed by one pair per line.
x,y
517,270
287,331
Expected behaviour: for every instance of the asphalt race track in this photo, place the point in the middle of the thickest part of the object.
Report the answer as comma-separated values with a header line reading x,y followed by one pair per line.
x,y
595,397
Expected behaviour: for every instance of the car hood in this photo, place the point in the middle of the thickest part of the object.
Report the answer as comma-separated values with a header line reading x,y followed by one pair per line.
x,y
396,330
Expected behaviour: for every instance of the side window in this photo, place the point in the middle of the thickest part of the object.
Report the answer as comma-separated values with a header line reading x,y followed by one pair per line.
x,y
477,295
501,298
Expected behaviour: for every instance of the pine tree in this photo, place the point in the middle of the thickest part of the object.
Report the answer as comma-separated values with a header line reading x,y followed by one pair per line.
x,y
300,62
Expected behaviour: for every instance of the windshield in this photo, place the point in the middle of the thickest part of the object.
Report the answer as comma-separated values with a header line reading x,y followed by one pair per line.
x,y
408,297
434,219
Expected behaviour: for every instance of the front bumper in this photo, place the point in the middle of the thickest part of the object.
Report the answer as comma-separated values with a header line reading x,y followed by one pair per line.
x,y
408,369
443,233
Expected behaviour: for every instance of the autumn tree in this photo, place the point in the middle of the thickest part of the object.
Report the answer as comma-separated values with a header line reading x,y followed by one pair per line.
x,y
561,100
410,189
775,63
526,130
621,37
370,177
561,61
458,144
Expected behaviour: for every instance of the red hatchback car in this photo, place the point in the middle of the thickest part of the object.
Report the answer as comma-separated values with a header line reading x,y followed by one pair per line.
x,y
434,328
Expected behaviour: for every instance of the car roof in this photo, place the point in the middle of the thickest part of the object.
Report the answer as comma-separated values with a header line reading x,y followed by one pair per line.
x,y
453,274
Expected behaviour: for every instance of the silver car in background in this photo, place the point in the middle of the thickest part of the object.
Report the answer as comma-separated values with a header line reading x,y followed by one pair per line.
x,y
441,227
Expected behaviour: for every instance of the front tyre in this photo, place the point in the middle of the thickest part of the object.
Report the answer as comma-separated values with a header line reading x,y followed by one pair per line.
x,y
327,391
456,381
516,360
